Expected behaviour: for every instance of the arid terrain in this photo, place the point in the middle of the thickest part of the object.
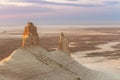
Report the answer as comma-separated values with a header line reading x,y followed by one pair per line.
x,y
95,48
80,40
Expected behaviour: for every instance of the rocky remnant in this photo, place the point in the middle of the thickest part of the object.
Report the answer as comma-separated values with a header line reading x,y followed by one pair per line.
x,y
63,44
30,35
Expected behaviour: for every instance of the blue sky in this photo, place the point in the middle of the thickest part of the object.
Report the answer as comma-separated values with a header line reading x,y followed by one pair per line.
x,y
60,11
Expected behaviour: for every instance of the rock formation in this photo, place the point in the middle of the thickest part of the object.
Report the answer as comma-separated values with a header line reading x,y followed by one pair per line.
x,y
36,63
30,35
63,44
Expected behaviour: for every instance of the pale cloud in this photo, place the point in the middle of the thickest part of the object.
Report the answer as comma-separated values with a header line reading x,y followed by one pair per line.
x,y
81,3
3,1
76,1
97,2
60,11
8,3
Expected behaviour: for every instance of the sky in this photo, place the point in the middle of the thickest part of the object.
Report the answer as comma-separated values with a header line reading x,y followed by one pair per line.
x,y
60,12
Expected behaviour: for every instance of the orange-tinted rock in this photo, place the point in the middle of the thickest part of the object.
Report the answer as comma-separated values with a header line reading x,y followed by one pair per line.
x,y
30,35
63,44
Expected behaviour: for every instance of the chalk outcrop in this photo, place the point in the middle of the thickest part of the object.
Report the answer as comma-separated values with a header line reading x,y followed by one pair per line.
x,y
35,63
63,44
30,35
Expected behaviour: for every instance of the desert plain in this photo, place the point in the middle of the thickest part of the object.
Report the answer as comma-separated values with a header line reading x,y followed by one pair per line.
x,y
96,48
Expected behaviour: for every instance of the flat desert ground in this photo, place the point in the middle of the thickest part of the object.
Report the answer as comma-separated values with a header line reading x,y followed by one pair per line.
x,y
93,47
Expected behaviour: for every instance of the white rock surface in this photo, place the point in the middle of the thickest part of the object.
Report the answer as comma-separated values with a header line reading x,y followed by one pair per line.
x,y
32,64
35,63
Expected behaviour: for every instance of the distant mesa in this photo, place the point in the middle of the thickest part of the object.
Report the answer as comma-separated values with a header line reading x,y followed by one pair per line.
x,y
30,35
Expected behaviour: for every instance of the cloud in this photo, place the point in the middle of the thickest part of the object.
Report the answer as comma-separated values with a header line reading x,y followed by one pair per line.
x,y
14,3
60,3
111,2
23,12
78,3
60,11
25,9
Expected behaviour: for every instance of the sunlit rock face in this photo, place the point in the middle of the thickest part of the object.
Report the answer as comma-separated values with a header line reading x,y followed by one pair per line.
x,y
63,44
30,35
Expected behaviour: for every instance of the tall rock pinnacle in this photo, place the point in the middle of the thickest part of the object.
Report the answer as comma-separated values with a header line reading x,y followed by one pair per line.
x,y
63,44
30,35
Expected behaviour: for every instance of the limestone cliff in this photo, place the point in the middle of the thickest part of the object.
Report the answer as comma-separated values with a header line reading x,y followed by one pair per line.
x,y
30,35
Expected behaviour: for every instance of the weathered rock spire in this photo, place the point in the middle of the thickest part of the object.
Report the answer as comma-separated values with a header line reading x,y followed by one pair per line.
x,y
63,44
30,35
